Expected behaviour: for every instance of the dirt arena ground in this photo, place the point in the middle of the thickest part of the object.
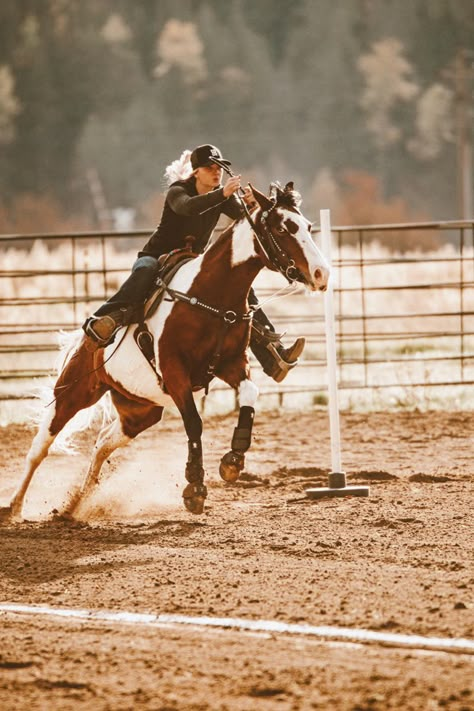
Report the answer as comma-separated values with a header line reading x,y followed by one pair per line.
x,y
399,561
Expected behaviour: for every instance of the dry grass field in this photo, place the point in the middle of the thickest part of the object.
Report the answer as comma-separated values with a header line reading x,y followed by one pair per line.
x,y
398,336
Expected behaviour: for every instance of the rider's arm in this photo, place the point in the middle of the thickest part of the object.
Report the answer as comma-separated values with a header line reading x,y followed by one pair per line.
x,y
232,208
183,204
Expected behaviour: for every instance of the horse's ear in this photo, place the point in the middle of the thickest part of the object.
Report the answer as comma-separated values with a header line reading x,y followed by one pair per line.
x,y
295,197
264,202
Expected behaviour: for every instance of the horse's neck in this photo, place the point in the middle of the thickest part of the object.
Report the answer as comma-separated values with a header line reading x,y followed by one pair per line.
x,y
233,263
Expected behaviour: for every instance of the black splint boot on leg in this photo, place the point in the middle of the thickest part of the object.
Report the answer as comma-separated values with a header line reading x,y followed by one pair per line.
x,y
275,359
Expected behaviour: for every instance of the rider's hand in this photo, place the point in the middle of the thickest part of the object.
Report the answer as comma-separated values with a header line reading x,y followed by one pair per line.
x,y
231,186
248,197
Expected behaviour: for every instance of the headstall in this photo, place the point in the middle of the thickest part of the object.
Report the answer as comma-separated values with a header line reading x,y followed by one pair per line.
x,y
277,257
274,256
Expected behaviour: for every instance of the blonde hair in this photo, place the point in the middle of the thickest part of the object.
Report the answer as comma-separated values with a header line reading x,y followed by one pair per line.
x,y
179,169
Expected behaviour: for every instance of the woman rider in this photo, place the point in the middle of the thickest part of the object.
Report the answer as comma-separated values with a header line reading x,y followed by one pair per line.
x,y
194,202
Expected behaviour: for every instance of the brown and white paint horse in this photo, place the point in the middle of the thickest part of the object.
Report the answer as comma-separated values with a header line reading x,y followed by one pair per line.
x,y
186,340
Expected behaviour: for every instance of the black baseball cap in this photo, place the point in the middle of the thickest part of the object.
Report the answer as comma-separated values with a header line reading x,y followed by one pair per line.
x,y
204,155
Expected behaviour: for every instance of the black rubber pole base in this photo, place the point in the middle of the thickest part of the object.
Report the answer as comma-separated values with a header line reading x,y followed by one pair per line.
x,y
337,488
323,492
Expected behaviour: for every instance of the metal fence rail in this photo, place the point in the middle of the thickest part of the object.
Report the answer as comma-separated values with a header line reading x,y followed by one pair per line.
x,y
404,320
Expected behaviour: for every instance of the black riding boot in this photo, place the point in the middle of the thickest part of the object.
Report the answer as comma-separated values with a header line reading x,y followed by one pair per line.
x,y
122,308
266,345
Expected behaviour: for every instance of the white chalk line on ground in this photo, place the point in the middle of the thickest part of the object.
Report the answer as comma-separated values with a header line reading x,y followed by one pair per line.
x,y
347,634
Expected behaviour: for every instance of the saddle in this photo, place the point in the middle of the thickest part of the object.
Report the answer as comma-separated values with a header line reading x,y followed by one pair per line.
x,y
168,265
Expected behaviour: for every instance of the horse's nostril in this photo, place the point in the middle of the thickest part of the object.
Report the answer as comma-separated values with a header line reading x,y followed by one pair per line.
x,y
318,274
323,288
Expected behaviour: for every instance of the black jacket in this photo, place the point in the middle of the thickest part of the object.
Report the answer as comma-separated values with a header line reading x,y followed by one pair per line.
x,y
187,213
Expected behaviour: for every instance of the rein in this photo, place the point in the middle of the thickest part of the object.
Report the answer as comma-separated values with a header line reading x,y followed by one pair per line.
x,y
273,254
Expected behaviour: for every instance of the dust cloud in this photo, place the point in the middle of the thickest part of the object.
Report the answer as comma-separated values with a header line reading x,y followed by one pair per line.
x,y
137,486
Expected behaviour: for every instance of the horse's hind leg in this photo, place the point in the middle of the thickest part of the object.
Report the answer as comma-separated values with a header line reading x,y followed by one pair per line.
x,y
50,427
68,401
134,417
38,451
110,438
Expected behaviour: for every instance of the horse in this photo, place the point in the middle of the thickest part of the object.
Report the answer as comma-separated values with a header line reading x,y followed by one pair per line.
x,y
200,331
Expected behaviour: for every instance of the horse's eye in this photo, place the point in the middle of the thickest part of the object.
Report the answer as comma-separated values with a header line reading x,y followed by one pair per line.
x,y
281,230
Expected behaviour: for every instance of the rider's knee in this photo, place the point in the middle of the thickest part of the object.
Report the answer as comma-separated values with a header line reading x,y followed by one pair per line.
x,y
146,262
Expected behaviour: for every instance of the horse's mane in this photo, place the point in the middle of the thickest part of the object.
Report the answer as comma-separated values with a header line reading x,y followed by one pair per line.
x,y
285,197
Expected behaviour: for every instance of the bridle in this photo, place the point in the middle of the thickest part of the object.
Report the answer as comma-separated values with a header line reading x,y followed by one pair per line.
x,y
274,257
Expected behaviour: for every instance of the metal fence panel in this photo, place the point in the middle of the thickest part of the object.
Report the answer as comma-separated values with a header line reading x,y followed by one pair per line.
x,y
405,320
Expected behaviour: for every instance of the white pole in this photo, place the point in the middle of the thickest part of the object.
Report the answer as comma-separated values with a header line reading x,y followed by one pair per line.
x,y
325,221
337,478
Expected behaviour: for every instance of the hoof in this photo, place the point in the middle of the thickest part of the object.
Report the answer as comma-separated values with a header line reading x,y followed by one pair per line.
x,y
194,497
6,514
63,516
231,465
70,506
195,504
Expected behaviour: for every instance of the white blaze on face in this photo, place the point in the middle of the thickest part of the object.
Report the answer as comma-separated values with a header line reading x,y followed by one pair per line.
x,y
314,257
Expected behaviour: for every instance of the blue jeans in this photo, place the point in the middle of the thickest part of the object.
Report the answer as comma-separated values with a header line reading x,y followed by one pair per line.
x,y
135,289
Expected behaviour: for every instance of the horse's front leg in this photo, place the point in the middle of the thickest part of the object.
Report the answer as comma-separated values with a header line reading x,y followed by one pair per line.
x,y
233,462
195,492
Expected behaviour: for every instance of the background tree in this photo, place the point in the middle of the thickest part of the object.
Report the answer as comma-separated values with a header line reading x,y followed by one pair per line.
x,y
305,90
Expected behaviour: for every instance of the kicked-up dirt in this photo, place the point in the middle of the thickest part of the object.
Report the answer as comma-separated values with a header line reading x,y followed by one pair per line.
x,y
400,561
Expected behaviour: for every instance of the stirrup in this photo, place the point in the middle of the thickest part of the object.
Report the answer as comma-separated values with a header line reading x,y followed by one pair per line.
x,y
263,335
276,360
279,368
103,329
